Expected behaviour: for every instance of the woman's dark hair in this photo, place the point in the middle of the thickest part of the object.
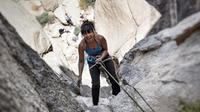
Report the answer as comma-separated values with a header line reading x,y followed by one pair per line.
x,y
87,27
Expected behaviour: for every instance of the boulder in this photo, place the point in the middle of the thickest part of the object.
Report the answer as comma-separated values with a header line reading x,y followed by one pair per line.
x,y
124,23
28,84
166,73
26,25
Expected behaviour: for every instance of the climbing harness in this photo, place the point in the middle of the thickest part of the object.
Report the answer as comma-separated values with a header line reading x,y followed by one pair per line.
x,y
101,63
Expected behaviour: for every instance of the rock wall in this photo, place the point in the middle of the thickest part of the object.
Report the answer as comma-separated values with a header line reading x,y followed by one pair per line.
x,y
21,14
123,23
172,11
26,25
50,5
27,83
164,68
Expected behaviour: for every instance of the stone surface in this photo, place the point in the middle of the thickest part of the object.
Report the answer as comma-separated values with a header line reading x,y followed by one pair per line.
x,y
50,5
124,23
169,73
163,67
172,11
26,25
34,7
28,84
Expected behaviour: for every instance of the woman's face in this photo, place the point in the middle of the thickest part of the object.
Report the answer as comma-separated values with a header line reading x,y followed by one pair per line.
x,y
88,35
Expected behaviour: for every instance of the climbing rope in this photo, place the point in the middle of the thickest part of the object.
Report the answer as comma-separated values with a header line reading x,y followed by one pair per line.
x,y
101,63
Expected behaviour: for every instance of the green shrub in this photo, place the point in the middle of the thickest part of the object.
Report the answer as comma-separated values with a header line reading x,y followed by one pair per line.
x,y
192,107
45,18
85,3
77,30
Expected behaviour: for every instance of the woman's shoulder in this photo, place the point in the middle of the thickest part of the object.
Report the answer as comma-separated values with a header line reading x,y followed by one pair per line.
x,y
99,37
82,44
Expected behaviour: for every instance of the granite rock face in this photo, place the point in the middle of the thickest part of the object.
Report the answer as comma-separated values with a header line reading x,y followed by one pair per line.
x,y
164,68
26,25
124,23
172,12
27,83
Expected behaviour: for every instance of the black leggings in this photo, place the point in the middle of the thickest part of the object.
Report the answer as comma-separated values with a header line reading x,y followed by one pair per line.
x,y
95,75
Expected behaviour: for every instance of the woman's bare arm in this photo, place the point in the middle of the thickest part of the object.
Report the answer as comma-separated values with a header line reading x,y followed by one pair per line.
x,y
80,62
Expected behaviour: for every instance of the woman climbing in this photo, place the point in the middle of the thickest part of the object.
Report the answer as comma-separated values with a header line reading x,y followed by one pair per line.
x,y
95,46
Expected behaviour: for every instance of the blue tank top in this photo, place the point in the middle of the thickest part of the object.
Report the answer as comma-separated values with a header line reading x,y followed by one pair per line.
x,y
92,53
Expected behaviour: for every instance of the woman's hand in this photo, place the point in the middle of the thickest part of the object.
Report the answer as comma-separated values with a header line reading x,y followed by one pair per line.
x,y
98,58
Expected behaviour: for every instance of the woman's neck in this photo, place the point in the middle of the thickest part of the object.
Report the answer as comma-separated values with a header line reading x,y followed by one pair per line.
x,y
90,40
